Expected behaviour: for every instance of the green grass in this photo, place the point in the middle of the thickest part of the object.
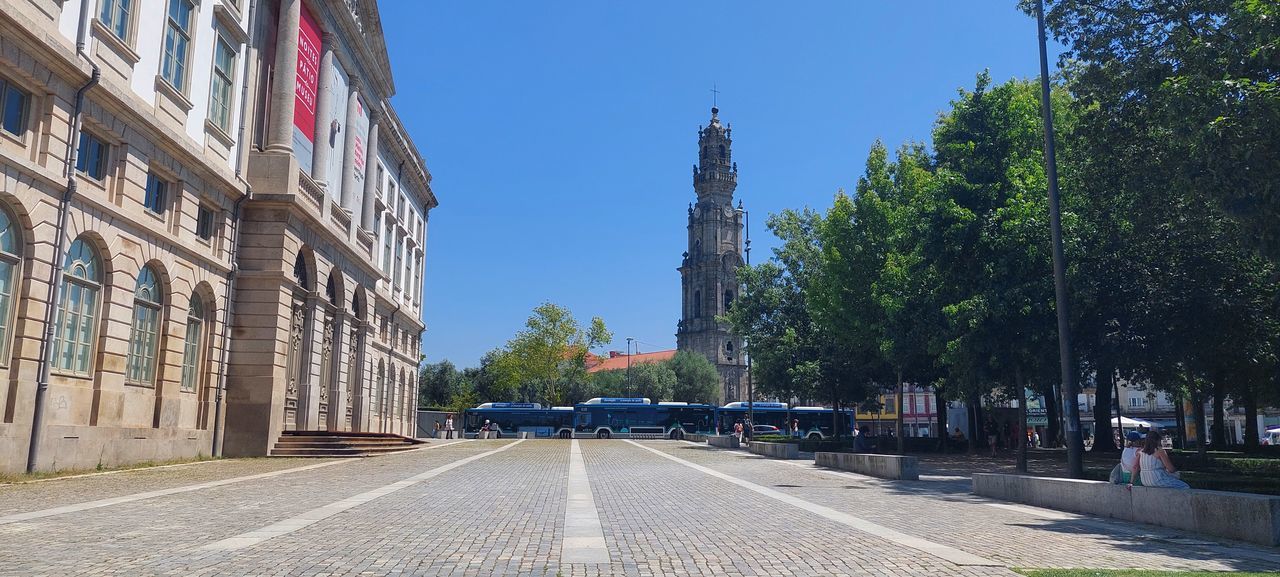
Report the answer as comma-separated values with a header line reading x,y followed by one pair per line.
x,y
1132,573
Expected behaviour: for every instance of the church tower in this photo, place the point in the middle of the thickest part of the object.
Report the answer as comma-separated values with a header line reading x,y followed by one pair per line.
x,y
709,270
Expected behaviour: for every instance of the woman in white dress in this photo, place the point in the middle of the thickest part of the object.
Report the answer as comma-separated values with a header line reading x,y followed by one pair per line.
x,y
1154,466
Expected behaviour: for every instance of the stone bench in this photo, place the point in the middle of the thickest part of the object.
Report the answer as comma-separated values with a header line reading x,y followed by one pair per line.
x,y
896,467
723,441
695,438
775,450
1241,516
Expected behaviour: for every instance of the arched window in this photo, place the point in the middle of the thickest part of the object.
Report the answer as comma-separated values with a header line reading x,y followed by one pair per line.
x,y
144,339
192,349
697,304
9,265
300,272
78,310
728,300
721,152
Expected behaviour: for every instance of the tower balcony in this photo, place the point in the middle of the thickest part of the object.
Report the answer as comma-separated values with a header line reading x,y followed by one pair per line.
x,y
716,176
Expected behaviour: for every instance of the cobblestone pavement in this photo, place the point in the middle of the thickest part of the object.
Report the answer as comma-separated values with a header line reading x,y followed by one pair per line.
x,y
498,507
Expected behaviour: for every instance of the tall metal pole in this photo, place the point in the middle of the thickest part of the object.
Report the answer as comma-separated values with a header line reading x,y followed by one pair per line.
x,y
628,365
751,397
1070,389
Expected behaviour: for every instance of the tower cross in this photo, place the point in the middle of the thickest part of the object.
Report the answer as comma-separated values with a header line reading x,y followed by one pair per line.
x,y
714,93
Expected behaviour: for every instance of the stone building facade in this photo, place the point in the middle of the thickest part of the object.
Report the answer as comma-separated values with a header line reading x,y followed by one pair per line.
x,y
198,252
709,269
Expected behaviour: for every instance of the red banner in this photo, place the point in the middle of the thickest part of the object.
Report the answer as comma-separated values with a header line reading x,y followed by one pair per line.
x,y
304,109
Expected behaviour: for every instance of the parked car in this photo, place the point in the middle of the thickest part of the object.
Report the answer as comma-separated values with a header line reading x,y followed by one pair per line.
x,y
759,430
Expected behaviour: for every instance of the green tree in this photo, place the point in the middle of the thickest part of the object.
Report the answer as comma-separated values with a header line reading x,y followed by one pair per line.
x,y
551,350
436,383
657,381
1205,74
653,380
697,380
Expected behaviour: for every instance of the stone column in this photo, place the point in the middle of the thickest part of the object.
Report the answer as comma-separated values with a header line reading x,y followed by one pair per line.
x,y
370,171
349,147
337,377
284,86
308,393
324,101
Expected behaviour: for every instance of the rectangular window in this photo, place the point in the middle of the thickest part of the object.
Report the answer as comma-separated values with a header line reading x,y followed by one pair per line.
x,y
921,405
408,271
1137,402
417,279
399,261
377,184
221,88
889,404
115,16
204,222
91,158
156,190
400,209
391,195
387,237
177,40
13,104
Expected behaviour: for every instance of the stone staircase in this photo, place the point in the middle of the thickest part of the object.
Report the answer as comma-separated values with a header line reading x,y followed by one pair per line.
x,y
339,444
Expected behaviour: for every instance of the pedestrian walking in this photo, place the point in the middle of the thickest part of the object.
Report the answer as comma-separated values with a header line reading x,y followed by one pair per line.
x,y
484,430
795,428
448,427
737,430
435,434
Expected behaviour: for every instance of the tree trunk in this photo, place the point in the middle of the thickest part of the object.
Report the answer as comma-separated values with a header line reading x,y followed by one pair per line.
x,y
897,427
1250,420
975,423
1022,420
1197,412
940,406
1103,439
1053,429
835,417
1180,416
1220,440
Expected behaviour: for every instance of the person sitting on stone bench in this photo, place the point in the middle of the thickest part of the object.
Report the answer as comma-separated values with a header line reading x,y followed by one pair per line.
x,y
1122,473
1154,467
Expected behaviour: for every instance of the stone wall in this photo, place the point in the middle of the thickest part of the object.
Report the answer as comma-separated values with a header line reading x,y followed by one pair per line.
x,y
1241,516
895,467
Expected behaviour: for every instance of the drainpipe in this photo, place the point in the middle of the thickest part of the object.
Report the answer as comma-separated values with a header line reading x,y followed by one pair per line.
x,y
229,293
55,279
229,298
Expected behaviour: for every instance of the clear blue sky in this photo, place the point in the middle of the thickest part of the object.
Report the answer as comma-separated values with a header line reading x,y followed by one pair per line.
x,y
560,135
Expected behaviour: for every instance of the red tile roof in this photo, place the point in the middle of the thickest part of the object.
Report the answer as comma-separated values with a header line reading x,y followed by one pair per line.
x,y
619,361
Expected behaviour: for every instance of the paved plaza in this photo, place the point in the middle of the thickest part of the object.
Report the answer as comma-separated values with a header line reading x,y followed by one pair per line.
x,y
541,507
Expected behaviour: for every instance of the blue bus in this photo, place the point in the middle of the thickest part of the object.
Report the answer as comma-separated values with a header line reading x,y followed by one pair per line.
x,y
815,422
637,418
510,419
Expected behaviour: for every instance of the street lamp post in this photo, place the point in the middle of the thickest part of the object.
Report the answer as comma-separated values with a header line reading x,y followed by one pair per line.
x,y
751,397
1070,389
629,389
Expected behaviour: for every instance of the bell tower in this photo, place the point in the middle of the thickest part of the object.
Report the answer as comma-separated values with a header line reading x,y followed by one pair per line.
x,y
709,269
